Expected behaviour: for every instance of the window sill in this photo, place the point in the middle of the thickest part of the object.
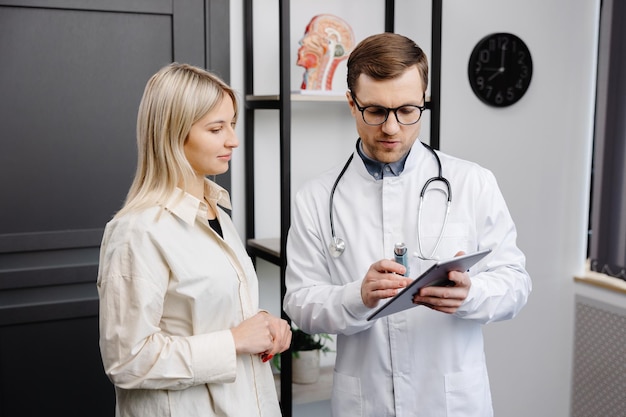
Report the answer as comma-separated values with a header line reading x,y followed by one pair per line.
x,y
602,280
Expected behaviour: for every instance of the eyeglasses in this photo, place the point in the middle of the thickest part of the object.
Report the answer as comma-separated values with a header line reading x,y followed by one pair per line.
x,y
407,114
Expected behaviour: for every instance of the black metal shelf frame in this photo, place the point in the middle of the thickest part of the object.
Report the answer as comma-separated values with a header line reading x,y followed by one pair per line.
x,y
269,249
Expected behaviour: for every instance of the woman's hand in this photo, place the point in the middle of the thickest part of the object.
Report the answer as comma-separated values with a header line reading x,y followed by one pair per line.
x,y
262,334
281,332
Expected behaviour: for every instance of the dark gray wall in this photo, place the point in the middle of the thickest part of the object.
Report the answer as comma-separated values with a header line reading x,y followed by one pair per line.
x,y
71,76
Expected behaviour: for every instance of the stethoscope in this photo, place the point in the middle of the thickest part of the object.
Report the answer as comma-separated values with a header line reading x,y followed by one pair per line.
x,y
337,245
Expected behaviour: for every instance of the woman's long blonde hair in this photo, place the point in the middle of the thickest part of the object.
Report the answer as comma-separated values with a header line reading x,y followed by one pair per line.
x,y
174,99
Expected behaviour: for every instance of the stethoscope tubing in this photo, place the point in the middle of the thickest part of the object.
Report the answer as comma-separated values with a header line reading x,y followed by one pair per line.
x,y
332,195
337,245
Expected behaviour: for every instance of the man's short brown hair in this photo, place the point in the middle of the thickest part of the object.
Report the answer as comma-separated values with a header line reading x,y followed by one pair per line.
x,y
385,56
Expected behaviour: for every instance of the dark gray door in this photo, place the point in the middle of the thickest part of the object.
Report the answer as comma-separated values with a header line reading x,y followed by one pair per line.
x,y
71,76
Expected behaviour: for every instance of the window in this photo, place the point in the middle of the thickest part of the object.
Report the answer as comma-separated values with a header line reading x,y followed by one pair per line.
x,y
607,245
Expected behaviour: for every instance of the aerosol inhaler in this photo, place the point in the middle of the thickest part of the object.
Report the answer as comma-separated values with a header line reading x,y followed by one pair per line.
x,y
401,257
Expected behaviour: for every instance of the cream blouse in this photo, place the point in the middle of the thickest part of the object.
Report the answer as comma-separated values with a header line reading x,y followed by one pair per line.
x,y
170,290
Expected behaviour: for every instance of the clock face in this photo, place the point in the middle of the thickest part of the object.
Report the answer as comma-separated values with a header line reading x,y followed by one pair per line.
x,y
500,69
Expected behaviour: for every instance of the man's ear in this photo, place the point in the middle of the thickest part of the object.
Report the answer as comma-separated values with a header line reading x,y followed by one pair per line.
x,y
350,102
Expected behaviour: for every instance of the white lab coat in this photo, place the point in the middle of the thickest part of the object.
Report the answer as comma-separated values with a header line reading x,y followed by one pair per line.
x,y
418,362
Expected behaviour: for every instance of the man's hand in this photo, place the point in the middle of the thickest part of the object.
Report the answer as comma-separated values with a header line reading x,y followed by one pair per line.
x,y
446,299
383,280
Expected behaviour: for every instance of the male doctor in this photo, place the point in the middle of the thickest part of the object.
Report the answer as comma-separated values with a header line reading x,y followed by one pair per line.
x,y
428,360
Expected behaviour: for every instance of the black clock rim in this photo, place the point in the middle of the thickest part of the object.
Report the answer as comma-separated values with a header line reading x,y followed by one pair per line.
x,y
473,57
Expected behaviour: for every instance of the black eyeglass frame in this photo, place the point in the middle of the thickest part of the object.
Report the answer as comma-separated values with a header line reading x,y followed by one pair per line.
x,y
388,110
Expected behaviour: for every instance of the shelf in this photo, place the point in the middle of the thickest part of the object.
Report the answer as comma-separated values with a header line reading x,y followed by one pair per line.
x,y
309,393
271,101
268,249
318,96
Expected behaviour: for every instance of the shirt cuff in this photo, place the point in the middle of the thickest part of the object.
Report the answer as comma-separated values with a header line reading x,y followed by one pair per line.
x,y
214,357
353,301
469,304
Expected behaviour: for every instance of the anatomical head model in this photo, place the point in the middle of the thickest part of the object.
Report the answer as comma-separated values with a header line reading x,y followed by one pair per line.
x,y
327,41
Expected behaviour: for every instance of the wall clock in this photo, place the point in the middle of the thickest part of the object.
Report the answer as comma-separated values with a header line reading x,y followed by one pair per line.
x,y
500,68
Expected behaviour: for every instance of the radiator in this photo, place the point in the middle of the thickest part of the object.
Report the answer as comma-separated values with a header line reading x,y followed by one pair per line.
x,y
599,374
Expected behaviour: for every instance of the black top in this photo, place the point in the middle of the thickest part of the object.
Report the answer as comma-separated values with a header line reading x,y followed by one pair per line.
x,y
215,225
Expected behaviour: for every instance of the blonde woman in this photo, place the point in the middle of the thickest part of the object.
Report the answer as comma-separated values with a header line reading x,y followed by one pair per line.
x,y
181,333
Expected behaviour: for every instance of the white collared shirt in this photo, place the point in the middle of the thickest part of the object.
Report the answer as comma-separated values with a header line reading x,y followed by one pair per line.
x,y
170,290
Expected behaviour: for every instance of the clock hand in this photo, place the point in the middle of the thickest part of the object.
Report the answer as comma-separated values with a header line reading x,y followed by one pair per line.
x,y
501,69
495,74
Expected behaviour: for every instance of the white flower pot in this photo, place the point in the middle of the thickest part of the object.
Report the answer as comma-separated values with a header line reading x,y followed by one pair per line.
x,y
306,368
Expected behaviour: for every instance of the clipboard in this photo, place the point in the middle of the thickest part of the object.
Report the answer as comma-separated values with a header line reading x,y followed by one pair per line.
x,y
436,275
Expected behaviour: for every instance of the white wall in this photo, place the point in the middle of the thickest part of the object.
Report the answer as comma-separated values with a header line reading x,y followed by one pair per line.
x,y
539,149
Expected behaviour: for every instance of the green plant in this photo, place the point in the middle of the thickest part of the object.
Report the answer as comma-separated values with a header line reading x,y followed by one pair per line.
x,y
302,341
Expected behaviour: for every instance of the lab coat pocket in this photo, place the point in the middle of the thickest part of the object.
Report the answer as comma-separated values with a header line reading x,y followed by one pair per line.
x,y
468,394
455,238
346,396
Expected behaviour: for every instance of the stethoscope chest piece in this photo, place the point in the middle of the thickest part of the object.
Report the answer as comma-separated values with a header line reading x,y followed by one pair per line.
x,y
336,247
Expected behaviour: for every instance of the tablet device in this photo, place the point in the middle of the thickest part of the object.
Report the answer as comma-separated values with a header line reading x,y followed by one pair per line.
x,y
436,275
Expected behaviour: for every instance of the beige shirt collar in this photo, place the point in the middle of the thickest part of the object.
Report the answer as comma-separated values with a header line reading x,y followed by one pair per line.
x,y
185,206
